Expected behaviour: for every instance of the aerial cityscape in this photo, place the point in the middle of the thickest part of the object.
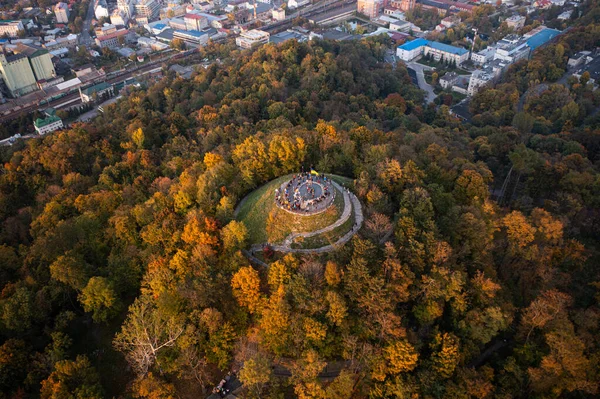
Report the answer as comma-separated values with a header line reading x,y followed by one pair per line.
x,y
313,199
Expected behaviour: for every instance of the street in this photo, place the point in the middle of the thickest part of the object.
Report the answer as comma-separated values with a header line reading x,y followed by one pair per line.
x,y
85,38
423,85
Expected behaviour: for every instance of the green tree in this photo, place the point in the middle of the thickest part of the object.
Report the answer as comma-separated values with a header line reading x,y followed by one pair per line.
x,y
99,298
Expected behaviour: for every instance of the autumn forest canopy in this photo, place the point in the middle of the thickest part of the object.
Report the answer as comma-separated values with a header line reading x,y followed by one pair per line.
x,y
475,274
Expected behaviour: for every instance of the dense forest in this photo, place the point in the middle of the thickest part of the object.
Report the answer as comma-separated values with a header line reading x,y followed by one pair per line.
x,y
121,266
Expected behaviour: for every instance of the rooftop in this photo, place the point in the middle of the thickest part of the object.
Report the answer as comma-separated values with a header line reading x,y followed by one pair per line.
x,y
194,33
113,35
447,48
95,88
542,37
254,34
414,44
39,122
193,16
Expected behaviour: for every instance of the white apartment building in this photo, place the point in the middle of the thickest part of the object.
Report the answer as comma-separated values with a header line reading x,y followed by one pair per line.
x,y
478,78
101,9
147,8
119,18
11,28
127,7
483,56
249,38
61,10
195,22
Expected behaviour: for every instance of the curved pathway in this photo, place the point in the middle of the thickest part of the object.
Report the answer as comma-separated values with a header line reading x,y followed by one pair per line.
x,y
350,202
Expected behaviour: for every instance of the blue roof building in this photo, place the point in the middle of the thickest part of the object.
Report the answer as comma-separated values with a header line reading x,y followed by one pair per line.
x,y
414,44
542,37
440,51
447,48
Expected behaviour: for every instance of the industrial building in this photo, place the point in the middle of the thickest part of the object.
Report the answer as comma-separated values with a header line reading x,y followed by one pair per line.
x,y
39,59
250,38
192,37
17,74
195,22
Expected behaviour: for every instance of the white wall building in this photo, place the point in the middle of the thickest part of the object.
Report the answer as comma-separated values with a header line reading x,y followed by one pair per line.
x,y
47,125
478,78
101,9
249,38
483,56
11,28
61,10
516,22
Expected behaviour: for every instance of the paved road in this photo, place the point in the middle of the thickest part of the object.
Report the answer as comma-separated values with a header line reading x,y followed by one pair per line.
x,y
423,85
85,38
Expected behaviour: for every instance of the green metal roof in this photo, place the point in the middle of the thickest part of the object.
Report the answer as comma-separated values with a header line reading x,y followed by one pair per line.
x,y
44,122
96,88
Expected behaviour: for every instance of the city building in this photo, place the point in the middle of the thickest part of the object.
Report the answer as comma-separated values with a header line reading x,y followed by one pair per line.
x,y
49,124
278,14
147,8
101,9
448,80
17,74
152,44
407,5
370,8
446,53
68,41
11,28
542,4
61,10
563,16
141,20
191,37
483,56
195,22
401,26
216,21
119,18
579,59
127,7
439,51
478,78
112,39
104,30
450,21
177,23
542,37
91,93
297,3
511,48
172,12
39,59
411,50
252,37
516,21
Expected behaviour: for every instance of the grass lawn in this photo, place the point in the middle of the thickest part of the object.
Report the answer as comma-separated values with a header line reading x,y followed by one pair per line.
x,y
267,223
328,238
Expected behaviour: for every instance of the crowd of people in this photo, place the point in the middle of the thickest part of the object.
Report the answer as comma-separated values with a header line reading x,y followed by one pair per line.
x,y
305,193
